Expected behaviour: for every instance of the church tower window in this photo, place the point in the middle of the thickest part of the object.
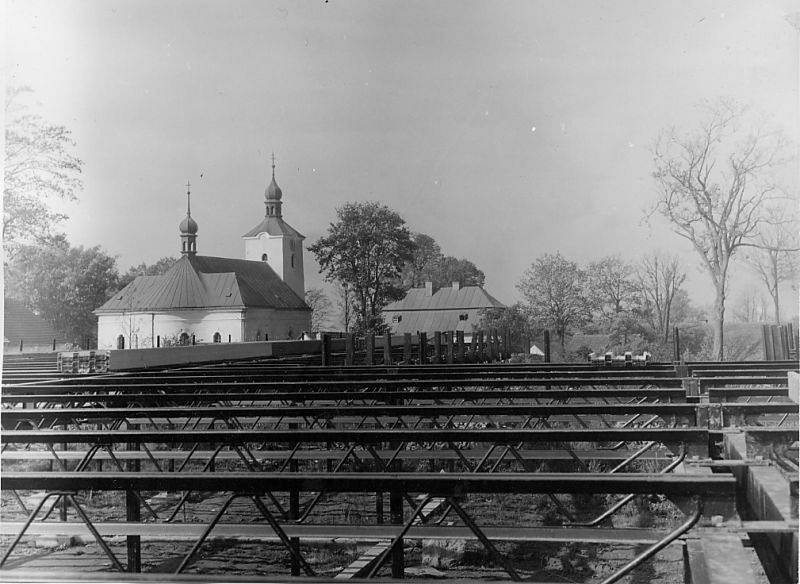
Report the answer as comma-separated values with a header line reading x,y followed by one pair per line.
x,y
120,342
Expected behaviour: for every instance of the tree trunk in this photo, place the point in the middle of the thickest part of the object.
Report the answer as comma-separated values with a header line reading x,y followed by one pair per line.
x,y
718,322
774,287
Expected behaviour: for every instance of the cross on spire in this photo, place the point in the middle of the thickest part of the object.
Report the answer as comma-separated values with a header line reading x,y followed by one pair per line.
x,y
188,198
273,165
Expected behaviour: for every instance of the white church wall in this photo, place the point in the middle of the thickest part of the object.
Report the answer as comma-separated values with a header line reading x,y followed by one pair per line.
x,y
277,324
140,330
292,272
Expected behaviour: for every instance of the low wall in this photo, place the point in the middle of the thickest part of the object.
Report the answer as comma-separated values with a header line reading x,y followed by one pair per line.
x,y
126,359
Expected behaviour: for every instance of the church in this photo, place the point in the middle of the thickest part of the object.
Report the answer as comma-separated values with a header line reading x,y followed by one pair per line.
x,y
207,299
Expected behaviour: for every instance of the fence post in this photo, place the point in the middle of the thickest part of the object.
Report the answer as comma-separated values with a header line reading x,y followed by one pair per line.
x,y
784,343
481,348
407,348
369,348
676,343
448,341
349,349
326,350
473,347
776,343
423,348
437,347
387,349
765,340
20,345
546,346
460,345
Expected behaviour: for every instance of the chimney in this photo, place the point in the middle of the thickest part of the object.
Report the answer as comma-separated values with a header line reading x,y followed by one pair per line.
x,y
428,288
456,285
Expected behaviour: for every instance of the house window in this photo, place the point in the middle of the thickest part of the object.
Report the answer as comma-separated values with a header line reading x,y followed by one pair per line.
x,y
120,342
397,318
463,316
263,257
217,338
183,339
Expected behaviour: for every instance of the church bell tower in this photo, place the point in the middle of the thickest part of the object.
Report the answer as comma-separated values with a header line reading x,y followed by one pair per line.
x,y
274,241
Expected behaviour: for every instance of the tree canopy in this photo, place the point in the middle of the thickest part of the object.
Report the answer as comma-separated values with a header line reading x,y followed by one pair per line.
x,y
555,295
429,264
365,250
63,284
40,170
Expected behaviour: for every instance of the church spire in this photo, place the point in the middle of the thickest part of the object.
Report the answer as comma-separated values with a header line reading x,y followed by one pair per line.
x,y
188,227
273,195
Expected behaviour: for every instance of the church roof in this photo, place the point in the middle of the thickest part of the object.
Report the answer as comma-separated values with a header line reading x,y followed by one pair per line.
x,y
196,281
273,226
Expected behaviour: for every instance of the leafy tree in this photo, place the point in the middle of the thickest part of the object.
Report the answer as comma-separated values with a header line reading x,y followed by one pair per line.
x,y
159,268
64,284
419,268
713,185
451,269
429,264
611,280
660,279
40,169
366,249
554,291
320,306
513,319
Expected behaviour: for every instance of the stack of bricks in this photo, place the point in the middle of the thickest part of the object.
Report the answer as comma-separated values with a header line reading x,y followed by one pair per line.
x,y
83,362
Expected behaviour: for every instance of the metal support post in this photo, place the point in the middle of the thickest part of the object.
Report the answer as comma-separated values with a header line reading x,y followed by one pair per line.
x,y
437,347
396,512
423,348
133,513
676,342
448,339
294,513
407,348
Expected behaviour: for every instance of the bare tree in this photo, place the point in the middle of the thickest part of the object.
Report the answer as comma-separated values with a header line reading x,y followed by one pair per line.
x,y
774,257
660,279
320,306
750,307
713,185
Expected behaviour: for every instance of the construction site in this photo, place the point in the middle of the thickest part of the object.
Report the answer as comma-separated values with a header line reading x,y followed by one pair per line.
x,y
398,457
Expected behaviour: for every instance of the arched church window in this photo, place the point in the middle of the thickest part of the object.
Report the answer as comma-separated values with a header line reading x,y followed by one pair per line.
x,y
263,257
120,342
217,338
292,260
183,339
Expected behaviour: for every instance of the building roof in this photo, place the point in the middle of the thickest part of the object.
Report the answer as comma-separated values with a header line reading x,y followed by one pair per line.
x,y
448,309
446,299
273,226
21,323
196,281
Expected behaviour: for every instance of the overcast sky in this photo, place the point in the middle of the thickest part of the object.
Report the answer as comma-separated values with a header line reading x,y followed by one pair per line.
x,y
503,129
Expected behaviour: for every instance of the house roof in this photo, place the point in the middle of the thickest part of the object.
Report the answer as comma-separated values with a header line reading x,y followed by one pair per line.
x,y
448,309
21,323
446,299
273,226
207,282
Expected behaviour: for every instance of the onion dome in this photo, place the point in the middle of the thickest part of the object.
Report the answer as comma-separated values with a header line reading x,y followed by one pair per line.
x,y
188,226
273,192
